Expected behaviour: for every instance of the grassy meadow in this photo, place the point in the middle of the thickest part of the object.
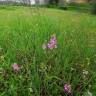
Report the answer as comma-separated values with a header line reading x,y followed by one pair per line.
x,y
43,72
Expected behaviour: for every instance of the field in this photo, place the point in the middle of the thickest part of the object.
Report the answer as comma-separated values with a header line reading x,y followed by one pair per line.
x,y
40,70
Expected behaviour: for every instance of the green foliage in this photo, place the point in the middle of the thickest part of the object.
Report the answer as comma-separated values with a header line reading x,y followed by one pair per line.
x,y
93,4
53,2
24,30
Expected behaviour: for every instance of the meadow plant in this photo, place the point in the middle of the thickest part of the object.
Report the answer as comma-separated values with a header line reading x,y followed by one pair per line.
x,y
68,89
16,67
65,71
52,44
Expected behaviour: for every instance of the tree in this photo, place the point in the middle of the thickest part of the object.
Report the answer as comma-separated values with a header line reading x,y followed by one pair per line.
x,y
93,9
53,2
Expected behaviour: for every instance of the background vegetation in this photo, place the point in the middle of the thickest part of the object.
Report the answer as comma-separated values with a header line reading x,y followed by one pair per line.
x,y
24,30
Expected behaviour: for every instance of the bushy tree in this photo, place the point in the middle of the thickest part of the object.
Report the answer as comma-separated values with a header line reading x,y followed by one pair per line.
x,y
54,2
93,9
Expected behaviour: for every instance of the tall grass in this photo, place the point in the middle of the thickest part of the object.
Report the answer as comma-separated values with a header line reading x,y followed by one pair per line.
x,y
23,31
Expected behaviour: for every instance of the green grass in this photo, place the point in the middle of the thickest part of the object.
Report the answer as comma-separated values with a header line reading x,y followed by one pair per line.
x,y
23,30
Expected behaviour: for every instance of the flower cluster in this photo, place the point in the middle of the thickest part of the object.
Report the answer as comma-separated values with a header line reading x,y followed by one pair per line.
x,y
67,88
52,44
16,67
85,72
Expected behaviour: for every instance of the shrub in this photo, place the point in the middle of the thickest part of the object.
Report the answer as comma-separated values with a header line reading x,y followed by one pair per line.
x,y
63,7
93,9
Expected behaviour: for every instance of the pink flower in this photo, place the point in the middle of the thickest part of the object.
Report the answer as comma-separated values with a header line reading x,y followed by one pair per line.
x,y
16,67
52,43
67,88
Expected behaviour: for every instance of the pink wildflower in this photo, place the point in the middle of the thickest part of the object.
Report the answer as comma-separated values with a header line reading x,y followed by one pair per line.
x,y
16,67
52,43
67,88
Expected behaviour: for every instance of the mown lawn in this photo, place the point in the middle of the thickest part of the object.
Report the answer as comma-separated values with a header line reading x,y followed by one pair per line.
x,y
45,71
